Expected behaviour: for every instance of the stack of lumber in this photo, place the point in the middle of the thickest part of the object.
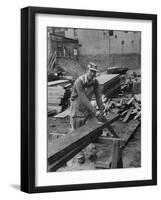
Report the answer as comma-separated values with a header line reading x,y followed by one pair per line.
x,y
58,96
109,83
116,70
55,95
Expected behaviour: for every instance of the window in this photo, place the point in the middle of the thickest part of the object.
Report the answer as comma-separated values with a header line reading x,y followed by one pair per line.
x,y
110,33
122,42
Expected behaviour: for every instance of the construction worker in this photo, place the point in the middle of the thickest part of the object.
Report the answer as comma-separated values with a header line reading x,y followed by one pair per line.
x,y
84,88
81,108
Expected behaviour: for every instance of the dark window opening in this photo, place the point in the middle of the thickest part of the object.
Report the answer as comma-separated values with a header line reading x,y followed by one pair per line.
x,y
122,42
110,33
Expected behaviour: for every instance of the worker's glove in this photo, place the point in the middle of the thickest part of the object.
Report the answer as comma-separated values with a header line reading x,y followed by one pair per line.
x,y
100,116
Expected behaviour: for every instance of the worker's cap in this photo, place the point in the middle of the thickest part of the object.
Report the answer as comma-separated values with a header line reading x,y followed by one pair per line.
x,y
92,66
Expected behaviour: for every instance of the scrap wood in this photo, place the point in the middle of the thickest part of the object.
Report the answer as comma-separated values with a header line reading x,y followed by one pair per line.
x,y
138,115
104,98
137,106
122,106
123,113
58,83
127,115
69,85
103,164
63,114
123,87
115,154
130,101
121,102
137,97
106,139
134,111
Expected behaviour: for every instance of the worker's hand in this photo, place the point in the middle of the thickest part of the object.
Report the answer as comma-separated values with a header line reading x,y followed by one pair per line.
x,y
100,116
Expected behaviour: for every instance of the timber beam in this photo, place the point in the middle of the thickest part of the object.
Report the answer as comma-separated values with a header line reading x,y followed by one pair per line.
x,y
66,147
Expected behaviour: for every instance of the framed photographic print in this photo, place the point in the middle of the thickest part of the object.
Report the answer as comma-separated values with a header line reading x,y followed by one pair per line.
x,y
88,99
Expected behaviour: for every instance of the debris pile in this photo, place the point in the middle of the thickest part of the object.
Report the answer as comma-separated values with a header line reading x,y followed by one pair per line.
x,y
128,106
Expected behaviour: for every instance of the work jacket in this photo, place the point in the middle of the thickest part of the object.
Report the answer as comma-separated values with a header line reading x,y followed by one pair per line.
x,y
81,96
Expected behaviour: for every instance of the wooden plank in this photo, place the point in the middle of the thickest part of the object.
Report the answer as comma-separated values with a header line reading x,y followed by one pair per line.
x,y
137,106
137,98
55,93
52,108
54,102
130,101
103,165
128,129
115,154
85,133
128,135
66,157
58,82
105,139
63,114
139,113
127,115
106,78
63,145
57,88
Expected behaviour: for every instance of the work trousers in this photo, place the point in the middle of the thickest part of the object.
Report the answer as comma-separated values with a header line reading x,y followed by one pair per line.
x,y
77,122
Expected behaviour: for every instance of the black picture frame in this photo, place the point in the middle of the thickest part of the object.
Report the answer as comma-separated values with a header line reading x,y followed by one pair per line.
x,y
28,91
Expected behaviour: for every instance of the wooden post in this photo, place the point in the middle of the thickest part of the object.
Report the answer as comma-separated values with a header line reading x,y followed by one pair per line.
x,y
115,154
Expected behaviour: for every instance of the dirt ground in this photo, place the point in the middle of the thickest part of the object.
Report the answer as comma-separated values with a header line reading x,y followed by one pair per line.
x,y
131,154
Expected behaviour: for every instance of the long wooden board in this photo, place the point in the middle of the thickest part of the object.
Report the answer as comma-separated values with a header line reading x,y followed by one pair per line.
x,y
58,82
66,144
106,78
60,162
63,114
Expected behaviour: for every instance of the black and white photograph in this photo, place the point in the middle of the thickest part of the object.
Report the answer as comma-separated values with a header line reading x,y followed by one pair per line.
x,y
89,91
93,99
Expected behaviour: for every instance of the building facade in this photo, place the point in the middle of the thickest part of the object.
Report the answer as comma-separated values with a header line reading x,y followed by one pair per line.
x,y
95,42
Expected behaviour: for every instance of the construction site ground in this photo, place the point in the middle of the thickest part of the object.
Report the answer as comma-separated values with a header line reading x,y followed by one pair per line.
x,y
131,154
